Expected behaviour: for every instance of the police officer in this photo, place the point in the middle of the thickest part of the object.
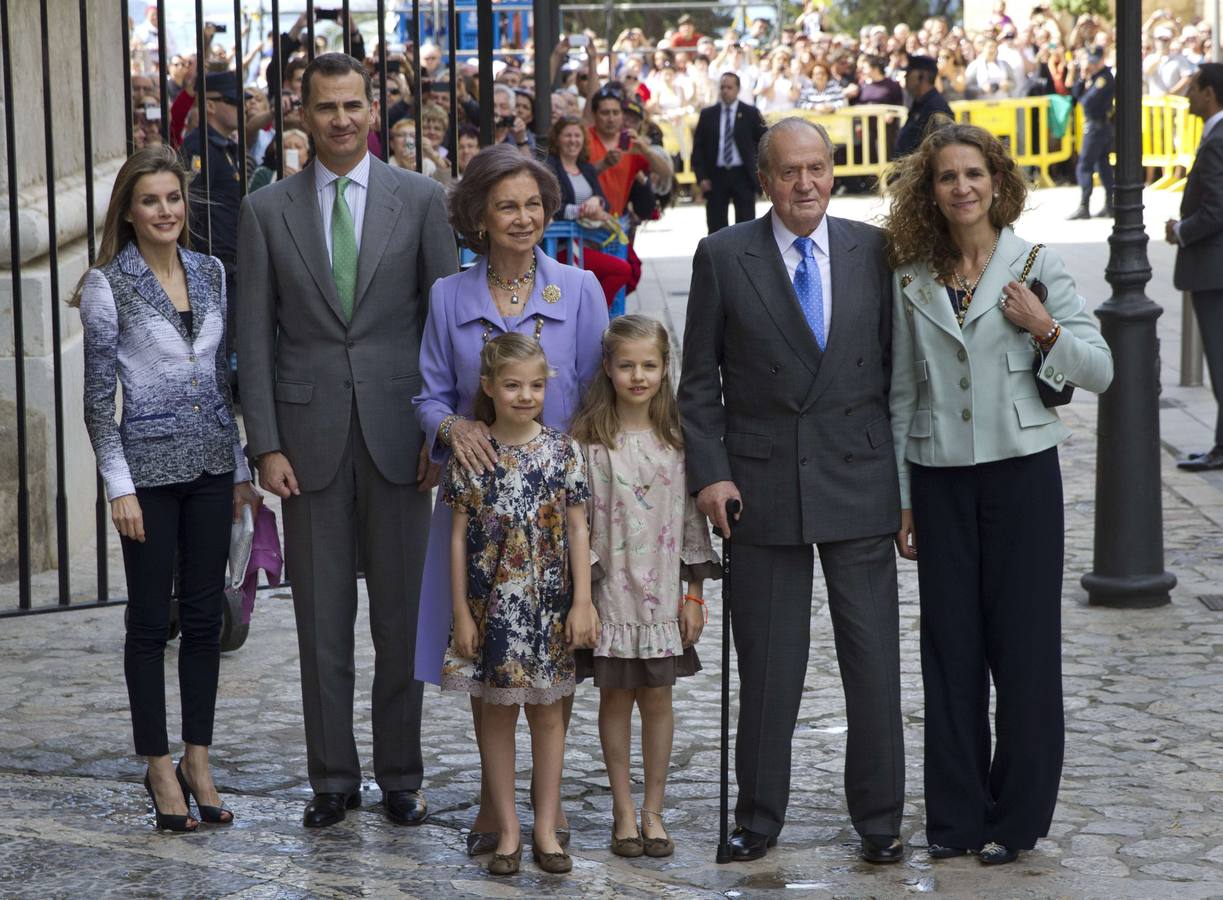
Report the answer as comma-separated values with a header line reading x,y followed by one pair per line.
x,y
1094,92
920,75
214,207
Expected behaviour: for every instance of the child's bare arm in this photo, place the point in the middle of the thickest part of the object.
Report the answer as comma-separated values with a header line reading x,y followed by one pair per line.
x,y
465,636
582,626
692,614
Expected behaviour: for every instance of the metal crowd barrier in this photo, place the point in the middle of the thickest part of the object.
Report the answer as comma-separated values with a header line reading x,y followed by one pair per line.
x,y
1170,137
1022,124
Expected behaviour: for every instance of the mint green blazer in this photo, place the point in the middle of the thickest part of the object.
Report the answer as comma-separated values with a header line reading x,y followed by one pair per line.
x,y
967,395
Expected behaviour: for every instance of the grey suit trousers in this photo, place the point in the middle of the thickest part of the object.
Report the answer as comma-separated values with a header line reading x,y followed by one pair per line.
x,y
1208,307
358,516
771,620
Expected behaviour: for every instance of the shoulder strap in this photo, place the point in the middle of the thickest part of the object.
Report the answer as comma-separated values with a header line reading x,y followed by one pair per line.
x,y
1027,267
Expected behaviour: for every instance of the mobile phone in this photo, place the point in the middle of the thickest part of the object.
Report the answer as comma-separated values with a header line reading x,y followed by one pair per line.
x,y
579,40
626,140
505,122
292,158
328,15
152,113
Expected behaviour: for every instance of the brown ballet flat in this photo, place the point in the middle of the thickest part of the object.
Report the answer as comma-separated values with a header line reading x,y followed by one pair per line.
x,y
506,863
552,863
656,848
629,847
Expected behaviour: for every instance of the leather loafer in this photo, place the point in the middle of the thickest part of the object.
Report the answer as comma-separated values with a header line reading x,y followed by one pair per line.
x,y
941,851
882,848
1202,462
405,807
747,845
328,809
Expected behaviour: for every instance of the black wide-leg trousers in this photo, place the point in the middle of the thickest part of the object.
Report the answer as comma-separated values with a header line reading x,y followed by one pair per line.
x,y
990,553
193,518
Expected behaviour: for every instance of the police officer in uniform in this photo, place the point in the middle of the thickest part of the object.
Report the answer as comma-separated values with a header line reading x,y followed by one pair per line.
x,y
214,207
1094,92
920,75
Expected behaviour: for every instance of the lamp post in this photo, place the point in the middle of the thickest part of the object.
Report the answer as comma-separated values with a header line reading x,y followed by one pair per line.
x,y
1128,569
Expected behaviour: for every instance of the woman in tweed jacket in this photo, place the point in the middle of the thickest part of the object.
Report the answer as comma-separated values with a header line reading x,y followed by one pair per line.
x,y
154,322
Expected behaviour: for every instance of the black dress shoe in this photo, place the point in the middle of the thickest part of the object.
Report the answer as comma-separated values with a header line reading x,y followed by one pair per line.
x,y
328,809
405,807
1081,213
993,854
748,845
1202,462
882,848
940,851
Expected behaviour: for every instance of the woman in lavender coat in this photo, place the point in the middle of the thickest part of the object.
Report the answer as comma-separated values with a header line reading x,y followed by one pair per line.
x,y
501,208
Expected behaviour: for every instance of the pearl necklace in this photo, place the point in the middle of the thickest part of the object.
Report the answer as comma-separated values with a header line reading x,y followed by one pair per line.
x,y
516,285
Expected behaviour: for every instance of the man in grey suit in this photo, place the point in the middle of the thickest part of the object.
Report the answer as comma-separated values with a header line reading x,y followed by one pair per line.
x,y
336,266
784,404
1199,236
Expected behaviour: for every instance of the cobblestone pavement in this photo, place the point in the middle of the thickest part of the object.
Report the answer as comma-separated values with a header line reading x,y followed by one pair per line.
x,y
1141,810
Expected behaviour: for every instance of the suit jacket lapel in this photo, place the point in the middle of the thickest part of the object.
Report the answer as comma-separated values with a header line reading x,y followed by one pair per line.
x,y
199,284
846,310
305,226
929,298
382,210
149,288
766,272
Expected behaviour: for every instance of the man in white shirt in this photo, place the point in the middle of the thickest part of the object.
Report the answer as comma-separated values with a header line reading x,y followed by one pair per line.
x,y
1165,71
145,34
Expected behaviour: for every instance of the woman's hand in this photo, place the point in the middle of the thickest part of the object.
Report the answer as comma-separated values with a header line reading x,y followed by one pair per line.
x,y
906,538
129,520
469,441
1023,309
246,495
691,622
592,208
466,637
582,626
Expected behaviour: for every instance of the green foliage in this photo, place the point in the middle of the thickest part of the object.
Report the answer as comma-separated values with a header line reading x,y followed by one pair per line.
x,y
1076,8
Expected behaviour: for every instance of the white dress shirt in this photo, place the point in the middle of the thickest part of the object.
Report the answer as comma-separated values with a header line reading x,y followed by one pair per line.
x,y
791,257
354,196
735,158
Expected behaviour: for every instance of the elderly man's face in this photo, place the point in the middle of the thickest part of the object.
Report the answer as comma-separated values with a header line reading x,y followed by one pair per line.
x,y
431,58
799,178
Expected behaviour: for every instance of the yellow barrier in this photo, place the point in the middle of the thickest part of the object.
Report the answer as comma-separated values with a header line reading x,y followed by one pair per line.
x,y
1022,124
866,133
1170,136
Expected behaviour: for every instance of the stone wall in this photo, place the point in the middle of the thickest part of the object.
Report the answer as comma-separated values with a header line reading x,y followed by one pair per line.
x,y
105,78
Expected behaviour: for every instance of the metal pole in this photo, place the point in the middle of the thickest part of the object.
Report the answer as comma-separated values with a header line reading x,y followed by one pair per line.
x,y
1128,568
127,74
201,100
383,128
309,27
1191,344
484,41
1213,17
101,510
278,112
347,29
240,77
452,47
162,87
57,373
23,491
546,33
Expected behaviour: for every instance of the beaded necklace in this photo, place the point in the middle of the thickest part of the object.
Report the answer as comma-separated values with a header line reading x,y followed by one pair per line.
x,y
516,285
968,289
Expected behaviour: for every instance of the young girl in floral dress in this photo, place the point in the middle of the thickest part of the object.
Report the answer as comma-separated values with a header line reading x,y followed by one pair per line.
x,y
647,537
520,570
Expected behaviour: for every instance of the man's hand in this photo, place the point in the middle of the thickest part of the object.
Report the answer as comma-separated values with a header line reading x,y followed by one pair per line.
x,y
706,185
711,501
906,538
276,475
1170,231
427,472
613,157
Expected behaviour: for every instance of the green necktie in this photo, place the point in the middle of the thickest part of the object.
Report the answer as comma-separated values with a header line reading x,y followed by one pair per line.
x,y
343,249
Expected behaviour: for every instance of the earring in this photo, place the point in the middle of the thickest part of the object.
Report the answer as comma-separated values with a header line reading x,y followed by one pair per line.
x,y
480,233
995,195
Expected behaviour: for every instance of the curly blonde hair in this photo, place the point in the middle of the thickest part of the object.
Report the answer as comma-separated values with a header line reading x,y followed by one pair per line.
x,y
916,230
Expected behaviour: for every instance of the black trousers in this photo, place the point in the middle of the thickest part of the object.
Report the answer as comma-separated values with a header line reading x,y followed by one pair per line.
x,y
1093,157
1208,308
730,185
990,547
193,518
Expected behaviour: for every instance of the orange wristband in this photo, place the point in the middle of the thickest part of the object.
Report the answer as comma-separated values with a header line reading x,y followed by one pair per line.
x,y
698,600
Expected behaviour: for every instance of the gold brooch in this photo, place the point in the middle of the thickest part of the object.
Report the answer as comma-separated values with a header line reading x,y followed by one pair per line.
x,y
552,293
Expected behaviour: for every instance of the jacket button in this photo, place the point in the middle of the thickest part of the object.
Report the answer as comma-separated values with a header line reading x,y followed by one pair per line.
x,y
849,410
194,382
861,362
1059,377
964,382
191,358
803,461
350,344
196,407
1048,371
966,414
347,383
961,354
849,457
773,369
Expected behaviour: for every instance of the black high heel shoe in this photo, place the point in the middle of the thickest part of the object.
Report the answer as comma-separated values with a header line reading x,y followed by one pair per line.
x,y
213,815
166,822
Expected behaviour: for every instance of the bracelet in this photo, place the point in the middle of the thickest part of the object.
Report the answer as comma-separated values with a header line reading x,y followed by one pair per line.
x,y
1051,338
443,430
689,598
524,143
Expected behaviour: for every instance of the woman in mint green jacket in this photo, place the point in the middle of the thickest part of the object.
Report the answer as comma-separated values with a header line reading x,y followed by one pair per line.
x,y
980,484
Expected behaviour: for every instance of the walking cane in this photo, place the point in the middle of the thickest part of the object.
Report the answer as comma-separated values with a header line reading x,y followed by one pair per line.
x,y
732,510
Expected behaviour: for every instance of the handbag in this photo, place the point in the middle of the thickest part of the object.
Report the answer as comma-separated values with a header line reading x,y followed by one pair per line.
x,y
1049,396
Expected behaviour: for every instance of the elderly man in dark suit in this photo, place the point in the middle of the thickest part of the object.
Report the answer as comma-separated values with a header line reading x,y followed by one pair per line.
x,y
784,403
724,155
1199,236
337,262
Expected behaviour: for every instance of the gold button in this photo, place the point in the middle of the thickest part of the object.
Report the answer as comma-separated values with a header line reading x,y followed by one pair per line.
x,y
964,382
194,382
196,407
191,359
966,414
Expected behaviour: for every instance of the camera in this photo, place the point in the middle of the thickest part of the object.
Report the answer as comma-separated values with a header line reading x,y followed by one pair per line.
x,y
217,28
327,15
505,122
626,140
392,66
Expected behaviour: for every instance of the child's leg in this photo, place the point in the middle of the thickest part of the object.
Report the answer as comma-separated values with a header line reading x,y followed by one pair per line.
x,y
615,726
657,732
547,725
497,751
486,818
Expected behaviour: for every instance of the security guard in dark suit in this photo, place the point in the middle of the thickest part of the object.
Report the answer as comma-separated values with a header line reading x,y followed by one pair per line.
x,y
920,76
1094,92
214,207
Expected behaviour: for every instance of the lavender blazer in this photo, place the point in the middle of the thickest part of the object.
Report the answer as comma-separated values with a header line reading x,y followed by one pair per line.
x,y
459,306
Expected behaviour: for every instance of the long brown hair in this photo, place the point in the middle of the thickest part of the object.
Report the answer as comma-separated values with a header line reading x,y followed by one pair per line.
x,y
597,421
117,231
916,231
496,355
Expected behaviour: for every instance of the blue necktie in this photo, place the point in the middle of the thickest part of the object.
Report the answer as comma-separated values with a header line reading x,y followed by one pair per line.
x,y
728,140
809,288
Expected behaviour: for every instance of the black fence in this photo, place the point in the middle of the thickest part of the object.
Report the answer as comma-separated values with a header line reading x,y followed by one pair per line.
x,y
546,17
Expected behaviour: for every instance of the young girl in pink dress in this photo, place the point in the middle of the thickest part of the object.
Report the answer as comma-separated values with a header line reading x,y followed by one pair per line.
x,y
646,538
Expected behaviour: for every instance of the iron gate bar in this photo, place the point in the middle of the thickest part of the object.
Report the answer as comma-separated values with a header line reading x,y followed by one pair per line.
x,y
101,519
418,104
127,75
201,105
309,28
278,112
452,45
240,77
384,135
57,368
346,30
23,493
162,63
484,45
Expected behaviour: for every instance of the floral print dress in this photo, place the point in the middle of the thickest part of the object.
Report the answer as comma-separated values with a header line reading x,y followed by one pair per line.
x,y
519,588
